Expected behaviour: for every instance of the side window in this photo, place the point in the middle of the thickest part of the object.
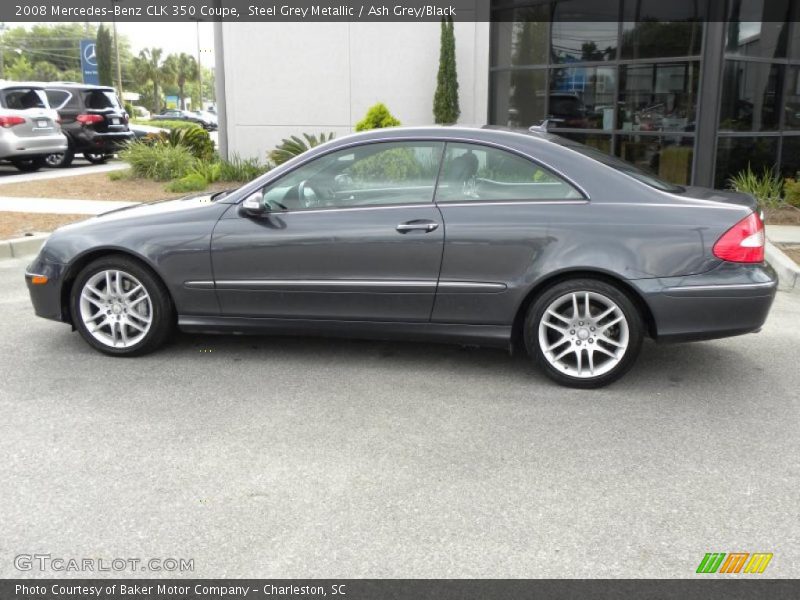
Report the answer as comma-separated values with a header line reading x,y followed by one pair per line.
x,y
367,175
472,172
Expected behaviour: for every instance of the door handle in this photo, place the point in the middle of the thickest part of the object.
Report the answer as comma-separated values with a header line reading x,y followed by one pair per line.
x,y
426,226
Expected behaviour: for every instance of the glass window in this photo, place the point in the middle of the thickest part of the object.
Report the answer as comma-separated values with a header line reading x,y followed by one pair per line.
x,y
751,96
758,28
22,98
791,107
629,169
57,98
668,157
519,97
658,97
585,30
100,99
520,36
582,97
473,172
790,157
372,174
734,154
658,29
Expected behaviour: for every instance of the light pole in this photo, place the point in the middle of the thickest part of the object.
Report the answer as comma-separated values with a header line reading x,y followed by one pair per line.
x,y
116,52
199,68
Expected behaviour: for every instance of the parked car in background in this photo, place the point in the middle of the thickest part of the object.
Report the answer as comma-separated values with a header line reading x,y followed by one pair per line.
x,y
145,132
94,121
140,112
176,114
209,117
473,236
29,128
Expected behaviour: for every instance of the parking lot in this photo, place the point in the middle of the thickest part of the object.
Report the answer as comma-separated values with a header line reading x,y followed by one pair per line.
x,y
284,457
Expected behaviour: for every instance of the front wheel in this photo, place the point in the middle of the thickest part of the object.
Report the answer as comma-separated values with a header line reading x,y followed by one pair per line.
x,y
28,165
120,307
94,158
584,333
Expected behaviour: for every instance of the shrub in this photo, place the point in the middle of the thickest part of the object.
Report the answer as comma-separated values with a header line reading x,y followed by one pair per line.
x,y
791,192
241,169
209,171
196,139
766,187
161,162
167,124
295,146
193,182
377,117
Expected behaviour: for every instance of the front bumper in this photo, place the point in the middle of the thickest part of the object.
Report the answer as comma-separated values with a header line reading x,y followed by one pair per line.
x,y
732,299
46,298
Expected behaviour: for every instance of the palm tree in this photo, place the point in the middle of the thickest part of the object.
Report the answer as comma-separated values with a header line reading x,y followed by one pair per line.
x,y
184,67
149,69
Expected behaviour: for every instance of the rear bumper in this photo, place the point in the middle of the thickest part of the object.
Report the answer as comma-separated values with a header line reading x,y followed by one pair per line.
x,y
12,146
87,140
729,300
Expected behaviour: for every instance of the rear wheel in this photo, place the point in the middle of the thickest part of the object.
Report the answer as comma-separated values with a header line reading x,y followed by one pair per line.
x,y
94,158
120,307
583,333
28,165
61,159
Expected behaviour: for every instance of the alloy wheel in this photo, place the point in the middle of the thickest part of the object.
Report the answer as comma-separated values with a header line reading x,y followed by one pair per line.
x,y
583,334
115,308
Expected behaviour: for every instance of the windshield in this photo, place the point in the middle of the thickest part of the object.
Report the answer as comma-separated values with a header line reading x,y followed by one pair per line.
x,y
620,165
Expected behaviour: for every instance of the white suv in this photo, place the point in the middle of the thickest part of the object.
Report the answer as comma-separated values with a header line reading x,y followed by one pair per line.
x,y
29,129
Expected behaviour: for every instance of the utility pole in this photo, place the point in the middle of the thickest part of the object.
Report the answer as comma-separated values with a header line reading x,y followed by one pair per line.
x,y
2,41
116,51
199,68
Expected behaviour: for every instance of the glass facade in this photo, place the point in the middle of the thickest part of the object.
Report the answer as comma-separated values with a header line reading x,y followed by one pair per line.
x,y
627,77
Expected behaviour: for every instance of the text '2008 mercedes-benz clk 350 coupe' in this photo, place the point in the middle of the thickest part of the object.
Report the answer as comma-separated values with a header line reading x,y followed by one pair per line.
x,y
473,236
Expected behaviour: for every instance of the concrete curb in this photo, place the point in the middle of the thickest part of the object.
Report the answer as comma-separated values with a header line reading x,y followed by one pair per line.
x,y
24,246
788,271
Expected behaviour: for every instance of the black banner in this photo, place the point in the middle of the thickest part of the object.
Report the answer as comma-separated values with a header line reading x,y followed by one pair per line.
x,y
398,589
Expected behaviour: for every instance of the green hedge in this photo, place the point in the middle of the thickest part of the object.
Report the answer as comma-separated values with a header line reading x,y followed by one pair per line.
x,y
165,124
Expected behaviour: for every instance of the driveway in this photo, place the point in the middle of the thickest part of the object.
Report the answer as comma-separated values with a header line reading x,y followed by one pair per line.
x,y
282,457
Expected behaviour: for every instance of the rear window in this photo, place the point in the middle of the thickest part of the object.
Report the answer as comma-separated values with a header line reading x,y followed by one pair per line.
x,y
620,165
100,99
57,98
22,98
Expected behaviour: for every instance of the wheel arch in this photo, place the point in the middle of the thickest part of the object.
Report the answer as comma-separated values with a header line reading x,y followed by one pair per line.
x,y
555,278
82,260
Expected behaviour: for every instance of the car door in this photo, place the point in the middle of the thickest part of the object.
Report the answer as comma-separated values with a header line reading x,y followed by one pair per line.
x,y
497,207
351,235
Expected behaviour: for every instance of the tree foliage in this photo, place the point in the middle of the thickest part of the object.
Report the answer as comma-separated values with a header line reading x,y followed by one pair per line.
x,y
446,109
377,117
184,69
149,69
104,60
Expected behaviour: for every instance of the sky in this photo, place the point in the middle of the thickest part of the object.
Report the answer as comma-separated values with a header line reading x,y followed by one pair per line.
x,y
172,37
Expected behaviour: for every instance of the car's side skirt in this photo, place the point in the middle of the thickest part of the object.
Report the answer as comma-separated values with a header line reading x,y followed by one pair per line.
x,y
457,333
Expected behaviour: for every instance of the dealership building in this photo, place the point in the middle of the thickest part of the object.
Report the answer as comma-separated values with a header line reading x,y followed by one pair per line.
x,y
694,90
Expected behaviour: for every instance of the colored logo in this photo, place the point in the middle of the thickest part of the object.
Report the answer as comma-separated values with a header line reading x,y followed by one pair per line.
x,y
735,562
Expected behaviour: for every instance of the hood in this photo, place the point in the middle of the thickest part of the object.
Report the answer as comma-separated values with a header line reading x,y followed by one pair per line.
x,y
159,207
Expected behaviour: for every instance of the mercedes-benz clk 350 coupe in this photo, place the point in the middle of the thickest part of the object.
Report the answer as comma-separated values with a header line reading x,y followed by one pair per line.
x,y
472,236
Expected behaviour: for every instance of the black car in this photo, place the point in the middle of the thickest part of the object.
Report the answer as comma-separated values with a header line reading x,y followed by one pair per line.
x,y
176,114
94,121
472,236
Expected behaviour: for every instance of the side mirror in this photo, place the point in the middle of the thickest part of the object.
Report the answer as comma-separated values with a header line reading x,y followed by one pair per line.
x,y
254,204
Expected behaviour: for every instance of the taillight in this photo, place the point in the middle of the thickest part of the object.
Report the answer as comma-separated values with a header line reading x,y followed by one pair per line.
x,y
11,121
744,242
89,119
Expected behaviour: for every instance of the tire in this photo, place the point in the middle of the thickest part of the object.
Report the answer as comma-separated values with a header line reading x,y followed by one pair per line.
x,y
29,165
96,159
136,324
579,351
61,160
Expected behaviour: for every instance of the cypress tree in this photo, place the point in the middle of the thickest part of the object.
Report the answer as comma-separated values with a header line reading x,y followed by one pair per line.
x,y
103,52
445,101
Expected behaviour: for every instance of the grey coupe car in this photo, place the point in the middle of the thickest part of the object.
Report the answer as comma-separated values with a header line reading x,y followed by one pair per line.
x,y
472,236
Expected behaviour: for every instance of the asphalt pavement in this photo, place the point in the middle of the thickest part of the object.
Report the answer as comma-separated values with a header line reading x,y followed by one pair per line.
x,y
295,457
